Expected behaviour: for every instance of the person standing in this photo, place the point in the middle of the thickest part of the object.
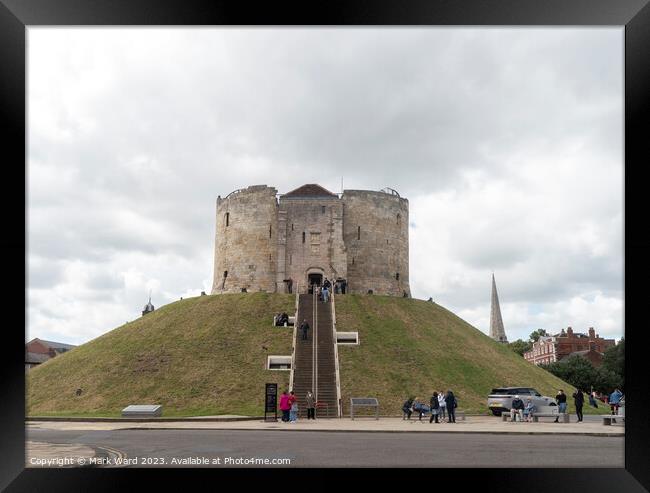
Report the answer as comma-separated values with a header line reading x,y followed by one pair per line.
x,y
326,294
615,401
578,400
310,402
561,403
285,407
293,409
435,407
450,400
304,327
443,405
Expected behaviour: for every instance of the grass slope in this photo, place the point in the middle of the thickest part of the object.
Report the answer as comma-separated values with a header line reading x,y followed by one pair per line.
x,y
206,356
199,356
413,347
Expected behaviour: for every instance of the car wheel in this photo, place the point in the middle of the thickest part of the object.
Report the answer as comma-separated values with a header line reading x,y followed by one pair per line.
x,y
496,413
552,404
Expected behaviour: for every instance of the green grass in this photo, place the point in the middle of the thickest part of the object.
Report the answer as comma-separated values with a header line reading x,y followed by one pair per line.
x,y
204,356
413,347
196,357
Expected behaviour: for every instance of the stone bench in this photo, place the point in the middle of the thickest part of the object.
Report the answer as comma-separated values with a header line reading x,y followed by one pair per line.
x,y
548,412
610,418
563,417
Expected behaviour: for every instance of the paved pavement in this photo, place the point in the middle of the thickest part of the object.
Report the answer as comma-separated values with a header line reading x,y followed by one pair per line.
x,y
474,425
269,448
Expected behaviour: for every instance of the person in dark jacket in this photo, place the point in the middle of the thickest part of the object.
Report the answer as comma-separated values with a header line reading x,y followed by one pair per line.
x,y
450,400
516,408
406,407
578,400
304,327
561,403
310,402
435,407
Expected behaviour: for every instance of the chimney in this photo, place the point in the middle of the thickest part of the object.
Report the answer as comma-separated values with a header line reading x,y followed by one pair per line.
x,y
569,331
592,333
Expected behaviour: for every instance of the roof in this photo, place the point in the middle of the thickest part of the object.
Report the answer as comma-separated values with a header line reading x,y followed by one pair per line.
x,y
55,345
36,357
309,190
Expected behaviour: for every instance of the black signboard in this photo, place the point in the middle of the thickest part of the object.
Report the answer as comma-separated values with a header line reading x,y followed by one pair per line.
x,y
271,402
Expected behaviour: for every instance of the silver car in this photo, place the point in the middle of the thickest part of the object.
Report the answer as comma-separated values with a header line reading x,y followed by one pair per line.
x,y
500,399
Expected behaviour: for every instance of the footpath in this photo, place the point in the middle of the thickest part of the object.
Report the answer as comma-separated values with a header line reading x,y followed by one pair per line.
x,y
472,424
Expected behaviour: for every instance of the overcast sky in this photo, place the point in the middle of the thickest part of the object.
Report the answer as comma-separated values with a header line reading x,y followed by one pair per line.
x,y
508,144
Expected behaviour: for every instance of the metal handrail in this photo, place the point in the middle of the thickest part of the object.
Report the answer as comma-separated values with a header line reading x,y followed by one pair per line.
x,y
293,349
314,352
339,406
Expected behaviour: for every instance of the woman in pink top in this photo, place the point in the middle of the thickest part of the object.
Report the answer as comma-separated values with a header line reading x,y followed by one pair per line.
x,y
285,406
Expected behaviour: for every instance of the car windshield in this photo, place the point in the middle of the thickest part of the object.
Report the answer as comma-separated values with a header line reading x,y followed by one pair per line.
x,y
505,391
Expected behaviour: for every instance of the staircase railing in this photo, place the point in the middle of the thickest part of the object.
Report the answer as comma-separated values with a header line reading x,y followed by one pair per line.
x,y
314,352
293,348
336,360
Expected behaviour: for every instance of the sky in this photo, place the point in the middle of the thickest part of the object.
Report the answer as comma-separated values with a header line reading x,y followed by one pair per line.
x,y
507,142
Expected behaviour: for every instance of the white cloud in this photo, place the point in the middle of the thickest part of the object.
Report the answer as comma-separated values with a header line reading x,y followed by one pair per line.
x,y
507,142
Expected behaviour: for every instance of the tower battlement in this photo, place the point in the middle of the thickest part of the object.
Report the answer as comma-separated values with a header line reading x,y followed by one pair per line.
x,y
279,244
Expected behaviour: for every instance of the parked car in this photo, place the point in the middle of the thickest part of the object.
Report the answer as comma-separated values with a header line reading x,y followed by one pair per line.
x,y
500,399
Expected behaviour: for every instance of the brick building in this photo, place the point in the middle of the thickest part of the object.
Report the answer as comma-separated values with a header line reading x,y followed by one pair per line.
x,y
38,351
549,349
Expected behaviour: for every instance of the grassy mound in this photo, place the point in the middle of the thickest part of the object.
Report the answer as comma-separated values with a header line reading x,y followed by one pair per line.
x,y
413,347
199,356
206,356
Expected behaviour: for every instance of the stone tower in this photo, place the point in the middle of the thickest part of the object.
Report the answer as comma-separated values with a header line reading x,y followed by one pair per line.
x,y
497,332
273,242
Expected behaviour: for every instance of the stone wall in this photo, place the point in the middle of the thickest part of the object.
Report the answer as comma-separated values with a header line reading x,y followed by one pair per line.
x,y
375,231
314,239
361,237
246,241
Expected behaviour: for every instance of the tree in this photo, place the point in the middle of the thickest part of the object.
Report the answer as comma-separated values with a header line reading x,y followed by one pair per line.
x,y
614,362
536,334
577,371
520,347
607,381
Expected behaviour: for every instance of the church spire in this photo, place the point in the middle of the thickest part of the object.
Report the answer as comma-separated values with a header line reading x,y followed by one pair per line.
x,y
148,308
497,332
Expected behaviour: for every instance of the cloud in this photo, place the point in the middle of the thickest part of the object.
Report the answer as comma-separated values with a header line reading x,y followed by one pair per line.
x,y
507,142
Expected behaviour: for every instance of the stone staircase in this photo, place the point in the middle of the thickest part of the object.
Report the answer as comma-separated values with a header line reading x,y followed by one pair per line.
x,y
303,375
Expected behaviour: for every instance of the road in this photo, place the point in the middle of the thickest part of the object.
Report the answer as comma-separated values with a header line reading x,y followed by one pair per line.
x,y
340,449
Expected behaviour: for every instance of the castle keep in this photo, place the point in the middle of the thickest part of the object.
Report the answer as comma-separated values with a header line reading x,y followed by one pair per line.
x,y
269,242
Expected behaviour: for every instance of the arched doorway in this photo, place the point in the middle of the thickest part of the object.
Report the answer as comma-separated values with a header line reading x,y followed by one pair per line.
x,y
314,278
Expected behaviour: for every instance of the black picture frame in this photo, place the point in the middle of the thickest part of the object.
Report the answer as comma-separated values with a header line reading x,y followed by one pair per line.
x,y
634,15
